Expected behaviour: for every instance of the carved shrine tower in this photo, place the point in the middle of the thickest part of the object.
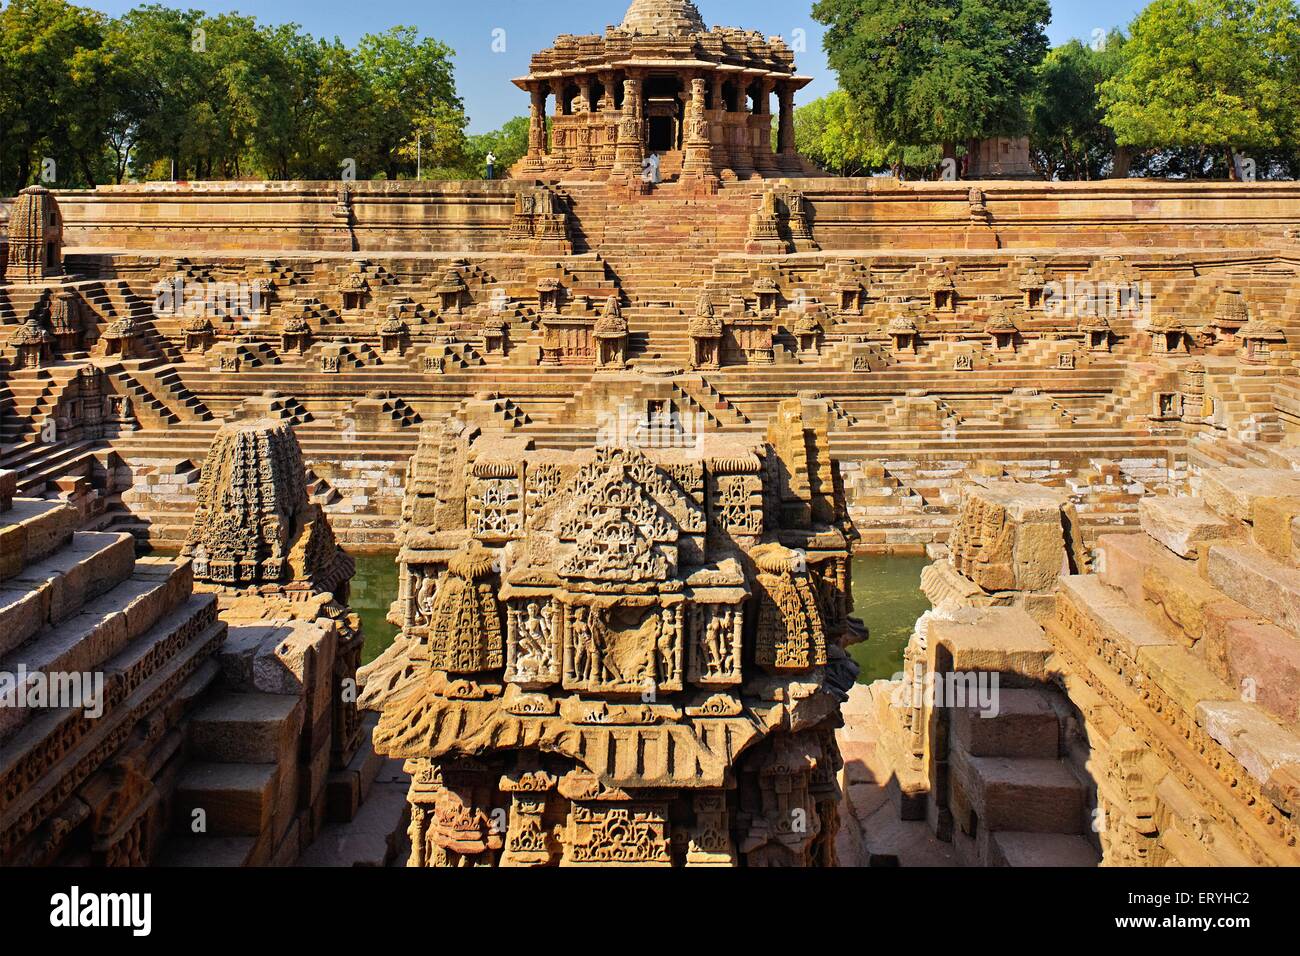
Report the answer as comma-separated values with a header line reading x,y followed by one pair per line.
x,y
621,655
662,83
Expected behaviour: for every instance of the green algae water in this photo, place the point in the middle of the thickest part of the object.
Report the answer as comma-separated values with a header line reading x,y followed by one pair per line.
x,y
887,597
373,589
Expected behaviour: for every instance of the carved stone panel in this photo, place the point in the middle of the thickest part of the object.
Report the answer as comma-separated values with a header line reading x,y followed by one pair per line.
x,y
533,644
716,632
617,834
626,648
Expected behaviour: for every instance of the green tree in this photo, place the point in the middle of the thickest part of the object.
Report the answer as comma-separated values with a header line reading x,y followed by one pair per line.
x,y
163,77
412,89
936,71
50,64
1067,134
509,144
1213,75
831,132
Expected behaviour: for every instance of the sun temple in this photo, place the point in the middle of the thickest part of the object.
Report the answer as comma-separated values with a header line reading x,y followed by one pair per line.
x,y
662,83
621,436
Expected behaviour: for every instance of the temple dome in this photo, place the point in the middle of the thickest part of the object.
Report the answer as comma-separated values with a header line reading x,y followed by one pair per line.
x,y
669,17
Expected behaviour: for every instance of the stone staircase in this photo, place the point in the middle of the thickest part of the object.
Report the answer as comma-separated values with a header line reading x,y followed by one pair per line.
x,y
138,625
1014,797
658,247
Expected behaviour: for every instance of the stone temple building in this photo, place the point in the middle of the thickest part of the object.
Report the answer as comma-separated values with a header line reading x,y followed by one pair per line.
x,y
662,83
622,439
622,657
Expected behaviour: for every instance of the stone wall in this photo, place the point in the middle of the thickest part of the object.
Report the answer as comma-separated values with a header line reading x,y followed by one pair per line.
x,y
845,214
1144,715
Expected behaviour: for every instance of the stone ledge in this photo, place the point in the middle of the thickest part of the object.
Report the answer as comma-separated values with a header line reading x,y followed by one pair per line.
x,y
1257,581
247,728
1257,742
1121,624
1183,525
994,640
32,531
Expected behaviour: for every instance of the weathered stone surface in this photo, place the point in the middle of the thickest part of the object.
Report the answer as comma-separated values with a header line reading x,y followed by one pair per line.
x,y
1034,796
1183,678
232,799
1040,849
1255,740
994,640
1012,537
598,678
1233,492
248,728
1263,662
1183,524
1253,579
1181,595
1024,726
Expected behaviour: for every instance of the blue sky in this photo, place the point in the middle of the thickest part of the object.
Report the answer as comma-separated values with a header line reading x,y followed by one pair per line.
x,y
483,76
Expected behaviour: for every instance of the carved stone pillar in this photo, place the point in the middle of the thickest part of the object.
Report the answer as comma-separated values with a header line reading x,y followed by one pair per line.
x,y
786,135
631,132
537,129
697,164
764,158
606,124
559,132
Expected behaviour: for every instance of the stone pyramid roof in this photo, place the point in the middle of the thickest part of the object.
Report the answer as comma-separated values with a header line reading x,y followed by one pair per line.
x,y
668,17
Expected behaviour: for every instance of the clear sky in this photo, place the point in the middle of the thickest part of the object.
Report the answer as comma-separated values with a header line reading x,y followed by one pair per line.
x,y
483,74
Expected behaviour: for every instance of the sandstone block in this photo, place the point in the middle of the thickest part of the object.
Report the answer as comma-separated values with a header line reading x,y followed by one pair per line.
x,y
1258,743
1257,581
22,615
1264,660
297,662
1040,849
248,728
1119,622
1219,619
8,489
996,640
1024,726
237,799
1181,596
1123,560
1182,524
1231,492
1182,677
1023,795
33,530
91,565
1271,519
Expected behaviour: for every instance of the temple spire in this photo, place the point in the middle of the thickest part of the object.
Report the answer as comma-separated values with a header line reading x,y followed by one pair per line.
x,y
670,17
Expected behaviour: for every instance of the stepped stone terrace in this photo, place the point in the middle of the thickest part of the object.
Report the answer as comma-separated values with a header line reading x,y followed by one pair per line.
x,y
1099,337
1079,399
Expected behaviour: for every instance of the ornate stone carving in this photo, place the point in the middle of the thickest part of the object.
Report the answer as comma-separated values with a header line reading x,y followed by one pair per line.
x,y
35,237
584,684
253,523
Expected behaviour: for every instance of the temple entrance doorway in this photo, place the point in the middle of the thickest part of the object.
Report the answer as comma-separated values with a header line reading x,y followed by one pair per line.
x,y
665,112
662,134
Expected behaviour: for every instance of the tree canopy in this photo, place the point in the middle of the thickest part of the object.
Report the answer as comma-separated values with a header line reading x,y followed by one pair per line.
x,y
831,132
1068,136
221,96
1217,74
936,71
